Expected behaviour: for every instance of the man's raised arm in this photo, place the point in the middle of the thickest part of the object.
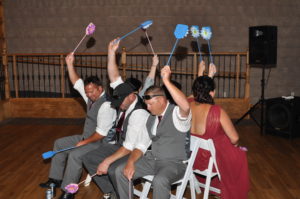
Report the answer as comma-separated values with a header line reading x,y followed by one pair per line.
x,y
112,67
71,70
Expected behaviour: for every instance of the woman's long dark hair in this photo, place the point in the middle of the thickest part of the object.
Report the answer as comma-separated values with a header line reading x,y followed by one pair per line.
x,y
202,86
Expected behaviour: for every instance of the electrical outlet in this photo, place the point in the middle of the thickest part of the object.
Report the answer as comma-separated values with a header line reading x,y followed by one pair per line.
x,y
224,94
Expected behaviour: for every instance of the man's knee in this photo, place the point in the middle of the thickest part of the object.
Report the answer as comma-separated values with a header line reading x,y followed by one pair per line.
x,y
58,142
161,181
117,172
75,156
87,159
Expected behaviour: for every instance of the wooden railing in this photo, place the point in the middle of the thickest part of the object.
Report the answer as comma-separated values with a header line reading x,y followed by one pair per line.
x,y
37,85
2,81
45,75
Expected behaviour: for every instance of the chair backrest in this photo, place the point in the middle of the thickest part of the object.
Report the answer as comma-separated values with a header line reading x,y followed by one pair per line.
x,y
195,144
206,145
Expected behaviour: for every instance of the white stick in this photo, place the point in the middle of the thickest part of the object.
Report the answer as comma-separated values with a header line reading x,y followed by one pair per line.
x,y
79,43
129,186
149,42
84,180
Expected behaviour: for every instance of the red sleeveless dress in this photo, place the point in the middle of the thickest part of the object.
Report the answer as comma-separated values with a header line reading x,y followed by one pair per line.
x,y
232,161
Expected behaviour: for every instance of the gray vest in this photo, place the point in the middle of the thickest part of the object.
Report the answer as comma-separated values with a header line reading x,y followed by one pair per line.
x,y
90,123
139,105
168,143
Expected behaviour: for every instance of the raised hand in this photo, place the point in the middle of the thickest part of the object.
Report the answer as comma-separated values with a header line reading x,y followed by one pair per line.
x,y
113,45
165,73
155,60
70,59
212,70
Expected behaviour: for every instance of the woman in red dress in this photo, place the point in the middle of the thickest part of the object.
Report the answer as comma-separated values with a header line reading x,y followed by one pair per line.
x,y
212,122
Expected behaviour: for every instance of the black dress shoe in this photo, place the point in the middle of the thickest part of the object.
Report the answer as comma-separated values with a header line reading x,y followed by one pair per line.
x,y
56,183
66,195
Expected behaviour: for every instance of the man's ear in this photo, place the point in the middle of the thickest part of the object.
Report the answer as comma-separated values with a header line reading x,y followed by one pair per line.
x,y
132,96
100,88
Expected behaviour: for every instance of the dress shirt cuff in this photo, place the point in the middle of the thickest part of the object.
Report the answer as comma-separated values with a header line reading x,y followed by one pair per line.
x,y
128,146
78,84
116,83
101,131
177,111
142,148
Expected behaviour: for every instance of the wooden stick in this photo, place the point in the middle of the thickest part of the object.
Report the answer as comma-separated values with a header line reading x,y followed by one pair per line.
x,y
79,43
149,42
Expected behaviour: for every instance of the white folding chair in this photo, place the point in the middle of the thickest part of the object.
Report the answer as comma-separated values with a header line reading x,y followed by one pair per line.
x,y
181,184
208,173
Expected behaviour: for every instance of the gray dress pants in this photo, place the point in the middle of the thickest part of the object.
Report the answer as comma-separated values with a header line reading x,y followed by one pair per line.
x,y
67,165
107,183
165,173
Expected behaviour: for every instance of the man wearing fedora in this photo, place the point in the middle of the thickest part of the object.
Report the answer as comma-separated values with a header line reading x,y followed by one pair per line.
x,y
130,122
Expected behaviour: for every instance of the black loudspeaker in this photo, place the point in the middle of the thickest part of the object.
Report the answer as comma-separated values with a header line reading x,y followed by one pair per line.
x,y
263,46
283,116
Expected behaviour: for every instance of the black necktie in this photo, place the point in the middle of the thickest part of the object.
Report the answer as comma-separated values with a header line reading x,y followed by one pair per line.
x,y
120,122
90,104
159,119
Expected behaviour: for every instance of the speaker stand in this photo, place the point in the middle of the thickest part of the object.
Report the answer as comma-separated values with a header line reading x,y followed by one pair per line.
x,y
260,102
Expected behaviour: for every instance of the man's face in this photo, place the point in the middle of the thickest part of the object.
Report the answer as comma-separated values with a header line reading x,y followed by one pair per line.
x,y
126,103
93,91
156,104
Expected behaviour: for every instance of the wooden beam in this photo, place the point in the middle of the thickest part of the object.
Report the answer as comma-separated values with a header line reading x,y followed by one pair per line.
x,y
47,108
62,73
15,73
75,107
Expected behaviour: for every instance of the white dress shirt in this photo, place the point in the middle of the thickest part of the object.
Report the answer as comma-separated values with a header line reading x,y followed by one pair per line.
x,y
136,125
106,114
135,137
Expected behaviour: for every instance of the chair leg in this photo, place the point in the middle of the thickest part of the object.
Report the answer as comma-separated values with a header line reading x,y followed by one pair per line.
x,y
178,191
146,189
88,180
197,184
192,187
208,178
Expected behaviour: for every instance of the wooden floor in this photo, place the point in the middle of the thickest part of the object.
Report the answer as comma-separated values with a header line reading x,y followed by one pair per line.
x,y
274,162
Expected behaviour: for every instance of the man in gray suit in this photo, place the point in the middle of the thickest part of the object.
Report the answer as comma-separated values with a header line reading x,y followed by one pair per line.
x,y
66,167
167,128
131,120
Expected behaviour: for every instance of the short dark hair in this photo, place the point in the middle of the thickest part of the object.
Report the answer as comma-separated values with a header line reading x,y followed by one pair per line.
x,y
155,90
92,79
202,86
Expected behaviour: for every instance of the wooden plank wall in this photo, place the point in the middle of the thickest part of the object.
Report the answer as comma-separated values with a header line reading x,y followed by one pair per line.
x,y
46,108
75,107
4,110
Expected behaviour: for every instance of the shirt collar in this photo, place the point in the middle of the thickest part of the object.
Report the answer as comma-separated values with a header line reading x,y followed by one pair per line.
x,y
163,113
132,105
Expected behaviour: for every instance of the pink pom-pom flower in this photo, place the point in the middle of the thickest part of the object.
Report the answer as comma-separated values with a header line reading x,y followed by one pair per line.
x,y
90,29
72,188
243,148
